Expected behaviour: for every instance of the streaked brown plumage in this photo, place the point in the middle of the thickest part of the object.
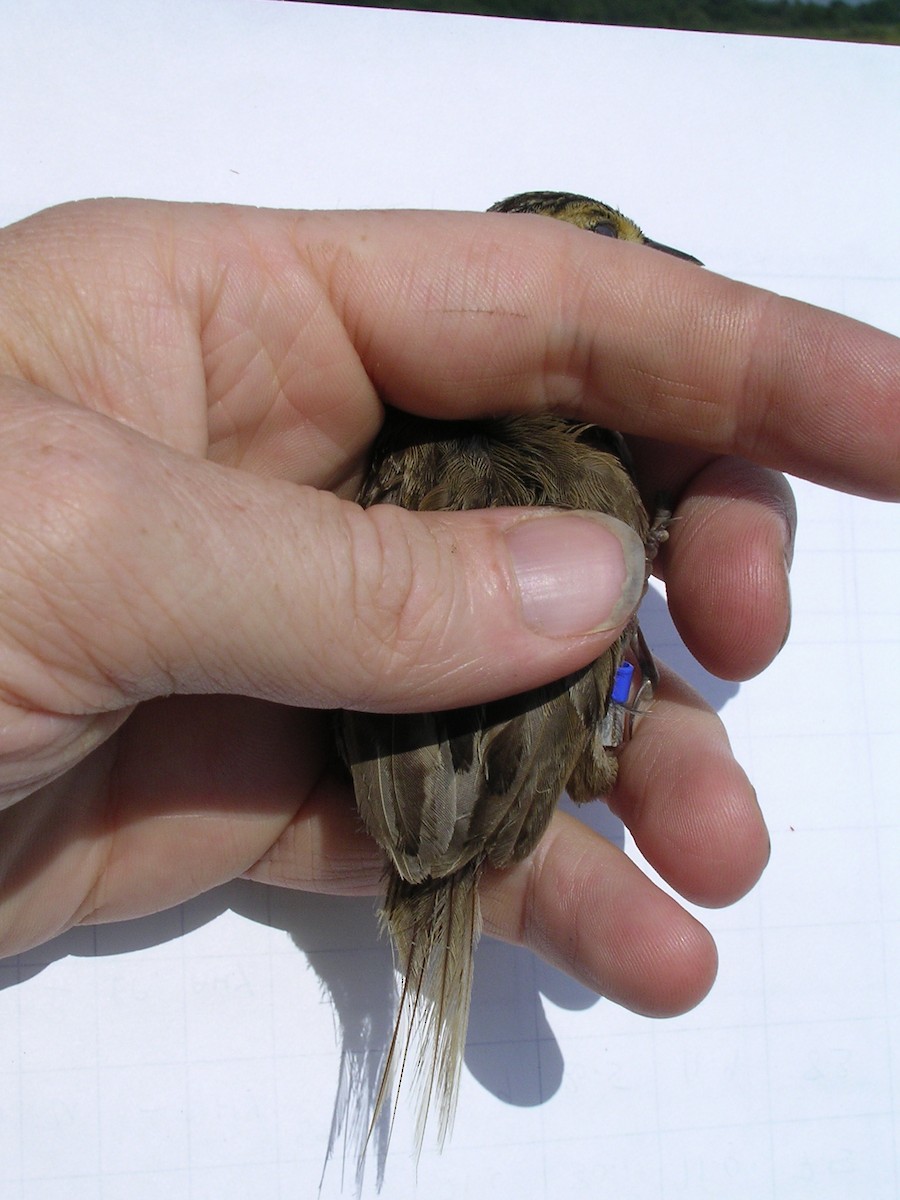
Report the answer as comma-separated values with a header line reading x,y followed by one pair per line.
x,y
445,793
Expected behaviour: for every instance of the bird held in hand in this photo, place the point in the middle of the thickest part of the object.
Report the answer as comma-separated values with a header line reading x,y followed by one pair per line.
x,y
446,793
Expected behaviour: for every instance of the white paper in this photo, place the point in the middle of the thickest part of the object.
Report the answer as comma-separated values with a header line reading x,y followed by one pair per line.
x,y
196,1054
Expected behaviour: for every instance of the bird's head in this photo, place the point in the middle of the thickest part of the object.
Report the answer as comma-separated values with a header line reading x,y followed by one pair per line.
x,y
586,214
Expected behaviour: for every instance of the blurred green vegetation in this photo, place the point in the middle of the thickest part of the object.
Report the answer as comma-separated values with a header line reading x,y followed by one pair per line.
x,y
872,21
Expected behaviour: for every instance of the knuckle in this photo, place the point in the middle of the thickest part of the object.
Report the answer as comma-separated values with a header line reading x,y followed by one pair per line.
x,y
65,509
405,594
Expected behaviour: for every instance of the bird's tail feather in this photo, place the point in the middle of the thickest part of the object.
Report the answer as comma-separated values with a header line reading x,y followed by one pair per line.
x,y
434,927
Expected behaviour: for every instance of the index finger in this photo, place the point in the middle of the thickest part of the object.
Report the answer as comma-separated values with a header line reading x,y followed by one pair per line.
x,y
505,313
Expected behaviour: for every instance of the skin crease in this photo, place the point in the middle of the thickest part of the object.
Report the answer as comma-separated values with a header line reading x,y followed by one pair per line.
x,y
173,373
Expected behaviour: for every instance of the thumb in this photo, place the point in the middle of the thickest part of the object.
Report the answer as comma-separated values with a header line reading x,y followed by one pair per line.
x,y
156,572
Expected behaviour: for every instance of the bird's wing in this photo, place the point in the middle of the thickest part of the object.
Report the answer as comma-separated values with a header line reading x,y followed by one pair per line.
x,y
438,790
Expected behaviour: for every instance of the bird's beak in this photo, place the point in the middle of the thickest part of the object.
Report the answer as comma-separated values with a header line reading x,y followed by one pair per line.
x,y
672,250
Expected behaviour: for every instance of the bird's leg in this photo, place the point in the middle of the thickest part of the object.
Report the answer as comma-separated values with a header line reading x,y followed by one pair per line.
x,y
659,529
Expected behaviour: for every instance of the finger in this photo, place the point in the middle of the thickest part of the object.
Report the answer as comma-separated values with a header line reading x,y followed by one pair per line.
x,y
325,848
587,909
584,906
537,314
214,580
690,808
726,565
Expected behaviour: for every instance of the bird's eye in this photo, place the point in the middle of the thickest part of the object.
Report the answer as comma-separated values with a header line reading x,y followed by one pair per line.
x,y
605,228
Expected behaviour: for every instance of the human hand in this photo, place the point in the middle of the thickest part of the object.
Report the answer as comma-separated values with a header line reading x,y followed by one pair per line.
x,y
190,393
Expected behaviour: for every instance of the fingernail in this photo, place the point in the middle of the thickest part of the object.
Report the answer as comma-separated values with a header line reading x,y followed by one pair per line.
x,y
788,545
787,627
578,573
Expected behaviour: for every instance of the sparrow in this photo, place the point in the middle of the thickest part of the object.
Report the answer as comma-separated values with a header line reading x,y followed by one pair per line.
x,y
446,793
